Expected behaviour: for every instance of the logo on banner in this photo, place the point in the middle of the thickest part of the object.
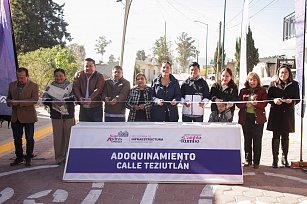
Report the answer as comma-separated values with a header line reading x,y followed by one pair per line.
x,y
2,99
191,138
118,138
144,139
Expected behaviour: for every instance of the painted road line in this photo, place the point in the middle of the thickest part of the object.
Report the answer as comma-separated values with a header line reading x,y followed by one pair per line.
x,y
208,191
60,196
94,194
27,169
37,134
205,201
149,194
249,174
286,177
92,197
6,194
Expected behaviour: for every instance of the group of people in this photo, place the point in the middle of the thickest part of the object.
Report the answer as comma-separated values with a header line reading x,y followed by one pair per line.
x,y
156,103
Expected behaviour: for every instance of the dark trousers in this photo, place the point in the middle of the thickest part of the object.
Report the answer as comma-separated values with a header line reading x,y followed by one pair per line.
x,y
252,138
90,114
17,128
192,119
283,135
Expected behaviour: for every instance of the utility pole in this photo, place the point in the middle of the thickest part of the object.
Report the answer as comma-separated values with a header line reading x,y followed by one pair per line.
x,y
165,45
223,57
219,63
127,9
206,24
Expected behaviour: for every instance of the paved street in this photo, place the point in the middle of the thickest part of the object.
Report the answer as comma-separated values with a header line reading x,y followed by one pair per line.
x,y
42,183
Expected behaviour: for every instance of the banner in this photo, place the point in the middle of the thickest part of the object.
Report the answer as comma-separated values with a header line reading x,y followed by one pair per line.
x,y
7,56
243,58
155,152
301,73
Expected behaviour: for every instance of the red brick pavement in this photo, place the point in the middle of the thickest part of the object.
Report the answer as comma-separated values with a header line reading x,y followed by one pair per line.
x,y
264,185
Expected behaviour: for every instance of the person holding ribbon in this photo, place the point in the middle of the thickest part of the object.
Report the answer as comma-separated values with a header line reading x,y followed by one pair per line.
x,y
115,94
195,94
284,95
139,100
22,97
166,95
59,97
87,88
252,117
223,91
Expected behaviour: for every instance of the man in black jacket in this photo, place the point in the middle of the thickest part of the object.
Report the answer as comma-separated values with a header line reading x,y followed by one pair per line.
x,y
195,93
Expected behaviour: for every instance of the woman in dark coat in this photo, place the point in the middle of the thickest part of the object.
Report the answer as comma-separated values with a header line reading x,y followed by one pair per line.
x,y
225,90
252,117
284,93
166,95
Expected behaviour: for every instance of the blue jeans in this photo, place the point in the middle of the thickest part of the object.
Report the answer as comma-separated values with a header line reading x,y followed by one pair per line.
x,y
114,119
90,114
17,128
192,119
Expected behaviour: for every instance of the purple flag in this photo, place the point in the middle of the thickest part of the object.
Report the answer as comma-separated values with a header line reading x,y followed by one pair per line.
x,y
300,12
7,55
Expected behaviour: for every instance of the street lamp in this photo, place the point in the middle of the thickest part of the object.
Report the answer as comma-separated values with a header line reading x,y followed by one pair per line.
x,y
206,43
127,9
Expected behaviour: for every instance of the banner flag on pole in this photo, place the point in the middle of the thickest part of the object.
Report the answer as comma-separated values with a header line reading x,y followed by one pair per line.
x,y
243,58
7,55
301,73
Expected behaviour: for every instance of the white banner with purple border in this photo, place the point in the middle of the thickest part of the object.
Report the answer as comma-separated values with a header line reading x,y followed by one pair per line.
x,y
155,152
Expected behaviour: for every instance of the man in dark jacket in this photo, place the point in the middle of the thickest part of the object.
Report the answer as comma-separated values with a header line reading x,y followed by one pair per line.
x,y
195,93
115,94
87,88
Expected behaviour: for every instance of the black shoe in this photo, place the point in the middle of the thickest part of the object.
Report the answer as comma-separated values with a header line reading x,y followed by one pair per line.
x,y
275,165
285,162
256,166
247,163
16,162
28,162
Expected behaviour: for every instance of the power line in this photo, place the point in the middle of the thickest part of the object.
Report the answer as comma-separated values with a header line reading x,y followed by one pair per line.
x,y
254,14
240,12
179,11
194,10
262,9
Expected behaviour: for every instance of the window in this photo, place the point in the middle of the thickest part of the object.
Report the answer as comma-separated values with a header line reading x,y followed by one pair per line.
x,y
289,27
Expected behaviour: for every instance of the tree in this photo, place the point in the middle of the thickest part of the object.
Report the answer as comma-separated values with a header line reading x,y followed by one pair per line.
x,y
218,60
101,45
42,62
161,51
137,69
112,59
79,52
185,49
140,55
237,55
252,55
38,24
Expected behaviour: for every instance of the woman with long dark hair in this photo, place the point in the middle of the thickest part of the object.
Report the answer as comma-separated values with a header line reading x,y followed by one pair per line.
x,y
223,91
166,95
284,93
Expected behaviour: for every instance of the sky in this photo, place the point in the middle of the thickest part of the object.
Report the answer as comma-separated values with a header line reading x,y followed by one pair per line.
x,y
147,18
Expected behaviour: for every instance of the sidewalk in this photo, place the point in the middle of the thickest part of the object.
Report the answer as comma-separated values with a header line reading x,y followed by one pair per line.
x,y
42,183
